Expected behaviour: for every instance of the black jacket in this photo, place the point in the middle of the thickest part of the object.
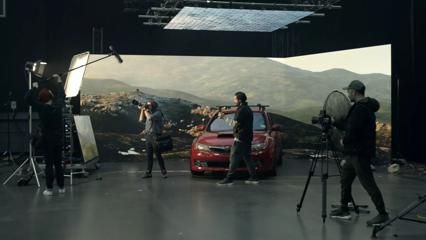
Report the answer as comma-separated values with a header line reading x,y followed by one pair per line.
x,y
50,115
360,129
243,129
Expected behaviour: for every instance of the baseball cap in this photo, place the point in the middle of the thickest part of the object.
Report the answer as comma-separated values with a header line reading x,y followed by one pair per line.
x,y
356,85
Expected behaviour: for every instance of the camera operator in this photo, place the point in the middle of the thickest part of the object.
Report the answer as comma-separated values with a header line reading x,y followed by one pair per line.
x,y
243,136
49,108
153,128
360,147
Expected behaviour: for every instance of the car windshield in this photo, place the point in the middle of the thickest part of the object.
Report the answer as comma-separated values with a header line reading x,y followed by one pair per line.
x,y
225,124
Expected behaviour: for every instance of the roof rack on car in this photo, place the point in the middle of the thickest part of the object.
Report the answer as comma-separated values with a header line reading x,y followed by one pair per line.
x,y
260,106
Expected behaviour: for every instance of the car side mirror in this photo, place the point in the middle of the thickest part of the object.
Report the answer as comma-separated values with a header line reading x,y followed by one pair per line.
x,y
200,128
276,127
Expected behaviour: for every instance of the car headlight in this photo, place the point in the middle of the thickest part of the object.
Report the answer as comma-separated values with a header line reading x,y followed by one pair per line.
x,y
202,147
258,146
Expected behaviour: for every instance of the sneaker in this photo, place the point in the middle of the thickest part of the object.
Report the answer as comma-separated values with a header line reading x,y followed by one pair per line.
x,y
48,192
61,190
225,181
378,220
252,180
147,175
164,174
341,214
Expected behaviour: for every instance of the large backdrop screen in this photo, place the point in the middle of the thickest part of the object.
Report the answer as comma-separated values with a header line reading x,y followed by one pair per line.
x,y
294,88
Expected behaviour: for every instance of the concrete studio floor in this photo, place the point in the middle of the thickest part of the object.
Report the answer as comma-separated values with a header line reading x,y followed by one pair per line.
x,y
124,206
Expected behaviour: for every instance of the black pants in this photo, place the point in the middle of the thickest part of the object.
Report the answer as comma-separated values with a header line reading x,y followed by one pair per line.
x,y
151,149
241,150
360,166
53,158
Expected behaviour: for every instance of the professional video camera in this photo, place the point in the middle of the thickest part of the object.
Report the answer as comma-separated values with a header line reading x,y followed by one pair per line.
x,y
139,104
334,111
323,119
147,106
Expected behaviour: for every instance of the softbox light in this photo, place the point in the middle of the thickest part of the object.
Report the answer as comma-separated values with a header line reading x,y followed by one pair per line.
x,y
76,74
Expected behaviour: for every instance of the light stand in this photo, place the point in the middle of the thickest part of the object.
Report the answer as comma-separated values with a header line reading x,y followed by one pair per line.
x,y
30,158
11,106
69,141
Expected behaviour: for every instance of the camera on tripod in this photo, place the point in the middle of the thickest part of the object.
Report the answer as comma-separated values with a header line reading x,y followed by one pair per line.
x,y
334,111
323,119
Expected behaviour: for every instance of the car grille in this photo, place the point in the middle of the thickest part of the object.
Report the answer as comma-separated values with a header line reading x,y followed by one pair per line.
x,y
220,149
221,164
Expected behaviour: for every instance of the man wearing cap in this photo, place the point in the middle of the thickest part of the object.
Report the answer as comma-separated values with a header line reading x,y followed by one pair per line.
x,y
359,148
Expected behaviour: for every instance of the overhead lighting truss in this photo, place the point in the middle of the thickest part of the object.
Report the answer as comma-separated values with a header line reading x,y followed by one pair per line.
x,y
161,12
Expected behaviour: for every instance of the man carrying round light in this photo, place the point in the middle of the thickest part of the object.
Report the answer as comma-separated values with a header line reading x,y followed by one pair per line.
x,y
359,148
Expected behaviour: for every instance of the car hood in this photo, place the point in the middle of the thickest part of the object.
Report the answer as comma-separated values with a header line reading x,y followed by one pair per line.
x,y
226,139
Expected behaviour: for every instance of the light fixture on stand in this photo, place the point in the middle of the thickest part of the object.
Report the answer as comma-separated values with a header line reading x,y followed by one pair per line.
x,y
37,68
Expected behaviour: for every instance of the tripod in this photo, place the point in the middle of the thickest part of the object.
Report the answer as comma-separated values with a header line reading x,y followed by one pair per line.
x,y
323,154
11,106
30,158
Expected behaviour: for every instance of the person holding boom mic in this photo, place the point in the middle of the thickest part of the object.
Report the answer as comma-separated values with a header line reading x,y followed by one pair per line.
x,y
50,108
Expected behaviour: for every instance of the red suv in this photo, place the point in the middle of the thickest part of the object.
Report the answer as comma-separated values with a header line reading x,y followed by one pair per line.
x,y
210,151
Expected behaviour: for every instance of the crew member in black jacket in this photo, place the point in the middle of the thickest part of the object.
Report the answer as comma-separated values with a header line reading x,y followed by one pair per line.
x,y
359,148
243,136
49,108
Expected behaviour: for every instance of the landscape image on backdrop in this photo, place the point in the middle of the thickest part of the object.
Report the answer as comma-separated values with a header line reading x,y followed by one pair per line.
x,y
188,89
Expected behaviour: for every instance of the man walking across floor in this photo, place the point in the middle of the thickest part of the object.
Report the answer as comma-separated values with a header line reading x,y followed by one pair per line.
x,y
243,136
359,148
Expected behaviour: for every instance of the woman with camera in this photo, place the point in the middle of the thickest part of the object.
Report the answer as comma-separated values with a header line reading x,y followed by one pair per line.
x,y
153,118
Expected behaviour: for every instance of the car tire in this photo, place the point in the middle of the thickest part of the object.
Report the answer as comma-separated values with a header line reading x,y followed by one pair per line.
x,y
272,173
280,158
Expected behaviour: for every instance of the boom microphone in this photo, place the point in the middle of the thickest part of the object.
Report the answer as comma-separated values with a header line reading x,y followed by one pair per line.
x,y
115,53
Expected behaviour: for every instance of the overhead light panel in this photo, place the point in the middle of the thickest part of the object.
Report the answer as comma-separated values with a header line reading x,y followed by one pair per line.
x,y
242,20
